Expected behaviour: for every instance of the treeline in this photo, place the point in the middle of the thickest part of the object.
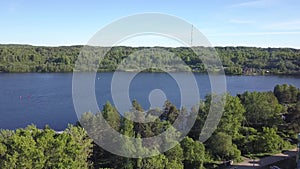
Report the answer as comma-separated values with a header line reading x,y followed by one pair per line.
x,y
236,60
253,124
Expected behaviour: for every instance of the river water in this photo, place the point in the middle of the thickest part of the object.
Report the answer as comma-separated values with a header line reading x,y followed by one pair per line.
x,y
46,98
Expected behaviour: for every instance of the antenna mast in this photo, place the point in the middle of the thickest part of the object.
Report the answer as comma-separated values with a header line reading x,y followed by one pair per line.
x,y
192,35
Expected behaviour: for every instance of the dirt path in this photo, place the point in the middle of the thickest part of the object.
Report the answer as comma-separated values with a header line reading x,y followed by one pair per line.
x,y
258,163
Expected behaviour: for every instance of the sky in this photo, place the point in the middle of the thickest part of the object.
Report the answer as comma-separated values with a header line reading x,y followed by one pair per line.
x,y
259,23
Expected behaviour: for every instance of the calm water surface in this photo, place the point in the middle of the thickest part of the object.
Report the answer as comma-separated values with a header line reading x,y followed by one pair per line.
x,y
40,99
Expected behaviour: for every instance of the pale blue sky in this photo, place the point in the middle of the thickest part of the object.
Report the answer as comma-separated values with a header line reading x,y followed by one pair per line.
x,y
264,23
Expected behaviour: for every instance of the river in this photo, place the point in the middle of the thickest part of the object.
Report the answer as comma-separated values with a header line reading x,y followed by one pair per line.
x,y
46,98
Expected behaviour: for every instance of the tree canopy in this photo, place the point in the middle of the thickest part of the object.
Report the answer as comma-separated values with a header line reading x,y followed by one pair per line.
x,y
236,60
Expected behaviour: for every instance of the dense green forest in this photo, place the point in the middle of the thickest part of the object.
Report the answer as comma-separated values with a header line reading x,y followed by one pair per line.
x,y
253,124
236,60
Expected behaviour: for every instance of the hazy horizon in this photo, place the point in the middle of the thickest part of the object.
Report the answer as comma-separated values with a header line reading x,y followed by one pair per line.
x,y
70,45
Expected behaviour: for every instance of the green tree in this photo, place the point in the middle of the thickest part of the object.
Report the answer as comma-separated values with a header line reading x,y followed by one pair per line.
x,y
170,112
175,157
233,116
35,148
269,141
137,106
262,109
286,93
155,162
247,141
193,152
111,115
293,118
221,147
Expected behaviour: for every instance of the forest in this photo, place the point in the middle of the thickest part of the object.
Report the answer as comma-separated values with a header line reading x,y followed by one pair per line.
x,y
235,60
254,124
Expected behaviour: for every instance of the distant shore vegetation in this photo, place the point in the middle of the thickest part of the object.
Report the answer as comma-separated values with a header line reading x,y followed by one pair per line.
x,y
235,60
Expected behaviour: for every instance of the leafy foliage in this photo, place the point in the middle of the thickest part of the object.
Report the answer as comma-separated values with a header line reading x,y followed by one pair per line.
x,y
262,109
252,123
287,93
236,60
221,147
35,148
